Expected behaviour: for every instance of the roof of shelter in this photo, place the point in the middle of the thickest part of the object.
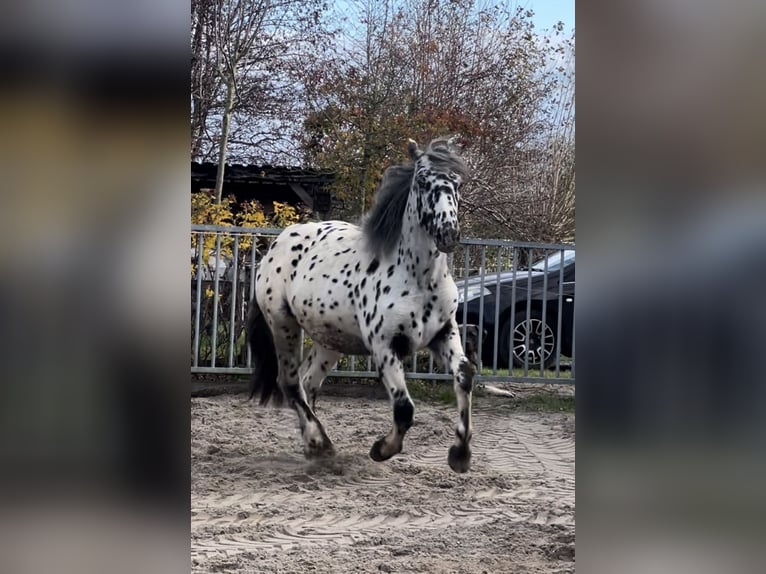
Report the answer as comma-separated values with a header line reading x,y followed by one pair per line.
x,y
244,174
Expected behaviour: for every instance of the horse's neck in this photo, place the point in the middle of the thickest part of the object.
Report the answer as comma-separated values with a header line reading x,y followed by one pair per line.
x,y
418,249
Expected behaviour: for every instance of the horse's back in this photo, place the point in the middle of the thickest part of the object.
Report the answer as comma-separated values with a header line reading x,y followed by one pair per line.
x,y
306,276
313,242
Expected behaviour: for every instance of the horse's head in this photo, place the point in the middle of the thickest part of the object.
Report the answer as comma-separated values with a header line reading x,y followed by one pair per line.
x,y
438,175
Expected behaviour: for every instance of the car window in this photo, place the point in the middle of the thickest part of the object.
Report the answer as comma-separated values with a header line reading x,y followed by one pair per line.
x,y
554,260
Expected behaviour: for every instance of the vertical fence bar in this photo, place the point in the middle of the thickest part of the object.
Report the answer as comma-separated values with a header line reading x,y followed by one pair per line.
x,y
497,313
560,314
233,317
214,337
544,326
483,271
574,333
528,318
251,293
465,293
198,309
511,319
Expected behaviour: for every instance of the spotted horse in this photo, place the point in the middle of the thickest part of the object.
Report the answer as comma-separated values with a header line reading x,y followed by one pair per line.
x,y
383,288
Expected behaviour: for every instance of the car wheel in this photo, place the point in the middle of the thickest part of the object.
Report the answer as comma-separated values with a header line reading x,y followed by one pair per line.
x,y
542,340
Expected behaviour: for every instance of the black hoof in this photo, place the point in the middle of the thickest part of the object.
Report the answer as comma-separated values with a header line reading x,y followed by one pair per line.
x,y
459,458
319,449
377,452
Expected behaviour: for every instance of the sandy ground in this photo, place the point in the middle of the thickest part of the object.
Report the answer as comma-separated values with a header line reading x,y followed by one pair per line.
x,y
258,506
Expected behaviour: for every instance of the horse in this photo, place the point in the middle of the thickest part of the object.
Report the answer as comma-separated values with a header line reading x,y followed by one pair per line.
x,y
382,289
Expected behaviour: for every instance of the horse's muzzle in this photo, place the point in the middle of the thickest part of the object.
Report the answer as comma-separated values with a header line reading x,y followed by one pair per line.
x,y
449,239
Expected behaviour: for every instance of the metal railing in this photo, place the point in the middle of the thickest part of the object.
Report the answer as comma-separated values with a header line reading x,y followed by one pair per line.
x,y
519,296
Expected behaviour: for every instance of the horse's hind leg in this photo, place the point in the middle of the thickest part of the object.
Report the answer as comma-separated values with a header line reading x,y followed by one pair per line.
x,y
316,443
447,349
391,371
314,369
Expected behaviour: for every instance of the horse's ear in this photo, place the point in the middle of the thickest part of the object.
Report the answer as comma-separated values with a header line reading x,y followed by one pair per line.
x,y
453,143
413,150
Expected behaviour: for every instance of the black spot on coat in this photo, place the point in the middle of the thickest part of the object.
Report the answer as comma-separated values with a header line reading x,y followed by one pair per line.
x,y
401,345
373,266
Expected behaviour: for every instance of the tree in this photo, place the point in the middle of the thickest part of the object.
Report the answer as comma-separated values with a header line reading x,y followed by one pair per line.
x,y
237,25
246,60
204,77
421,69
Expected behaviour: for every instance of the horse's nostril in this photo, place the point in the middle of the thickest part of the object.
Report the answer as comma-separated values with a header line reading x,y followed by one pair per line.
x,y
449,238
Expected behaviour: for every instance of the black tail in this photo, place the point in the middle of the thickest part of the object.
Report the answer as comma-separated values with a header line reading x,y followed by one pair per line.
x,y
264,356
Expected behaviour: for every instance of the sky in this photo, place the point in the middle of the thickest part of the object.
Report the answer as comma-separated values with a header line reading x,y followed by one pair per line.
x,y
549,12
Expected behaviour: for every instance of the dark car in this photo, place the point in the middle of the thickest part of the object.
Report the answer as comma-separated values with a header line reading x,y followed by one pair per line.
x,y
519,335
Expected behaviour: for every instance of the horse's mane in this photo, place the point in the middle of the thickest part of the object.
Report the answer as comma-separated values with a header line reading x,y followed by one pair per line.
x,y
382,226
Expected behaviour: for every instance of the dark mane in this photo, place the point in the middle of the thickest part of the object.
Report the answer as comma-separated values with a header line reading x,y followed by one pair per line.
x,y
382,225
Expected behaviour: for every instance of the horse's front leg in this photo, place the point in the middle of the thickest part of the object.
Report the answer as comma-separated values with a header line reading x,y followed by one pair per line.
x,y
448,351
391,372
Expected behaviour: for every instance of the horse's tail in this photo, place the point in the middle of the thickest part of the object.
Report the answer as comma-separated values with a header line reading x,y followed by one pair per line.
x,y
264,356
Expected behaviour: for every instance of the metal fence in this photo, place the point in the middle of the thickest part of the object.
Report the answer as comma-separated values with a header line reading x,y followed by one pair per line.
x,y
519,297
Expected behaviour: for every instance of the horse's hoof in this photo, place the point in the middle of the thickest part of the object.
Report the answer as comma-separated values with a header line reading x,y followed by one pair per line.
x,y
375,451
459,458
378,453
319,449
